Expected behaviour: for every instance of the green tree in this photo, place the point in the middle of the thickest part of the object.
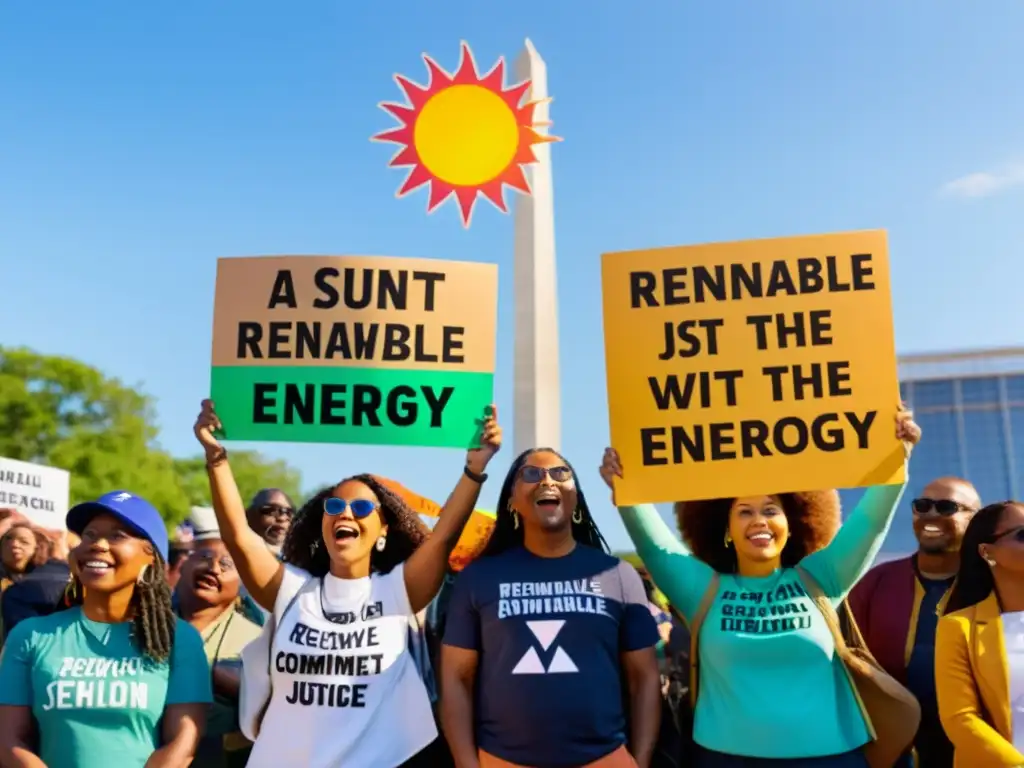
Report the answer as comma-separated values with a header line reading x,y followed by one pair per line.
x,y
63,413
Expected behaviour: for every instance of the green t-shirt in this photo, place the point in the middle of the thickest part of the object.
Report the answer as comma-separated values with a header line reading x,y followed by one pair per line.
x,y
95,697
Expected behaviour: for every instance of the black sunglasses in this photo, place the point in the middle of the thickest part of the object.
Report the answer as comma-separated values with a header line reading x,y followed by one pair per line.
x,y
361,508
945,507
277,510
532,474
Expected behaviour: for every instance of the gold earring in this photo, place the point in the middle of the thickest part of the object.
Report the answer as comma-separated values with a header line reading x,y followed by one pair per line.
x,y
141,580
515,519
728,540
71,592
577,515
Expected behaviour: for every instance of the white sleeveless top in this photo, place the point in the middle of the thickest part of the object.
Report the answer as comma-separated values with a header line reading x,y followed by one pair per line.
x,y
345,692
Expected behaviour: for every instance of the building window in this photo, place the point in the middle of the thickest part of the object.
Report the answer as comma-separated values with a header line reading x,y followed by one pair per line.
x,y
985,443
906,393
1017,439
933,394
1015,389
980,391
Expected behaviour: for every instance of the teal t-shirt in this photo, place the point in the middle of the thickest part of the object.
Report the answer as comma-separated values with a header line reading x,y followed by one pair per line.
x,y
768,668
97,700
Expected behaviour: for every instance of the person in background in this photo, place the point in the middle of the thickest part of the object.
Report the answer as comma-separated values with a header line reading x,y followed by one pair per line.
x,y
22,548
357,566
897,604
659,611
208,600
270,514
116,678
979,644
771,691
177,554
549,638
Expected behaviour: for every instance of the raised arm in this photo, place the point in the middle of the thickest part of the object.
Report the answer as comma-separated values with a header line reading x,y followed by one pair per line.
x,y
682,577
840,565
261,572
426,567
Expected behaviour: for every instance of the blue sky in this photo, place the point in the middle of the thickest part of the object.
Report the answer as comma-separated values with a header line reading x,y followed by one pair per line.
x,y
139,142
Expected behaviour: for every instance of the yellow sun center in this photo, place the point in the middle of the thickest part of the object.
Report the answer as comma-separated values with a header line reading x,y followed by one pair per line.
x,y
466,135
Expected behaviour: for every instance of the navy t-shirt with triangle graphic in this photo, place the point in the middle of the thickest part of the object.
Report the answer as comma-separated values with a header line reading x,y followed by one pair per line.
x,y
550,632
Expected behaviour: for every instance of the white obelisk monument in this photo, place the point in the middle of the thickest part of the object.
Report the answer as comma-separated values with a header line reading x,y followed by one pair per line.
x,y
537,418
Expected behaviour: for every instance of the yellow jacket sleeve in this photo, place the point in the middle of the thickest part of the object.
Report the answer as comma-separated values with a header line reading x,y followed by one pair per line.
x,y
976,742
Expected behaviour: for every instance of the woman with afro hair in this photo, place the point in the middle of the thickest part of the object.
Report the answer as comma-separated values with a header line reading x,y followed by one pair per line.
x,y
358,566
772,689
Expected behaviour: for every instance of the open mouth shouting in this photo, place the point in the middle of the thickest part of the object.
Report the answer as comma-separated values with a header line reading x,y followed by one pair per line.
x,y
548,500
346,533
207,581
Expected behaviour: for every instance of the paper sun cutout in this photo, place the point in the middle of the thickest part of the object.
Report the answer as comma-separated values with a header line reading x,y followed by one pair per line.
x,y
464,134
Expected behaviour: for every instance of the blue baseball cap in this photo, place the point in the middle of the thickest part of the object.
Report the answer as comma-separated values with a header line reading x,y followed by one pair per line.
x,y
134,511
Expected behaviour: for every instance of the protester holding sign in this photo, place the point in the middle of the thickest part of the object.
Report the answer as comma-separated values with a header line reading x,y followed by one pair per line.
x,y
979,644
358,566
768,668
547,636
116,677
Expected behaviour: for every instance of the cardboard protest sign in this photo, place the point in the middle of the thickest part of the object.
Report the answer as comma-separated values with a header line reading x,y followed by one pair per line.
x,y
464,134
763,366
38,492
350,349
474,536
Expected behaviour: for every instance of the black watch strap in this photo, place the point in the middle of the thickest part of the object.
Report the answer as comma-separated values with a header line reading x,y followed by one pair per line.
x,y
474,476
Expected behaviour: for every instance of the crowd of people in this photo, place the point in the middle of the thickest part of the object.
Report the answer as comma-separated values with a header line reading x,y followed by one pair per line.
x,y
337,634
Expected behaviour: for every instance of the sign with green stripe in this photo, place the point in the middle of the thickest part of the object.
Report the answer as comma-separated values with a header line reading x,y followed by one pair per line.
x,y
349,349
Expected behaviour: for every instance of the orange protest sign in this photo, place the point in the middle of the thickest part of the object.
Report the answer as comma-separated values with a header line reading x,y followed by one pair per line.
x,y
762,366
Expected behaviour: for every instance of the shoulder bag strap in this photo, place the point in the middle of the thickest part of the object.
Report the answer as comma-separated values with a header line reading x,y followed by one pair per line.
x,y
695,626
825,607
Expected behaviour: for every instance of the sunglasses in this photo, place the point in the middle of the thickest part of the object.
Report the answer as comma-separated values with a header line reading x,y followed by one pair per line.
x,y
945,507
276,510
361,508
532,474
1017,534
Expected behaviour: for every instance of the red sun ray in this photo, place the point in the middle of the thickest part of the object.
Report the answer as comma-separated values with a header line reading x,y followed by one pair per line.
x,y
417,96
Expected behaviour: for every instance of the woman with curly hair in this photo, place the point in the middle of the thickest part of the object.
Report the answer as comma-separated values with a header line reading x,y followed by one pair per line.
x,y
116,676
549,640
772,691
358,566
979,643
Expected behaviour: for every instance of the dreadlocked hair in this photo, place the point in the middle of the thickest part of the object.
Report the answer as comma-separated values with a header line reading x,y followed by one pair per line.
x,y
304,547
974,580
506,535
153,618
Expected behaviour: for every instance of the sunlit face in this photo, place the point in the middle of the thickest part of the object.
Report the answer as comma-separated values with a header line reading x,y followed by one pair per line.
x,y
271,516
18,549
210,573
758,528
545,491
350,539
940,525
1007,549
111,556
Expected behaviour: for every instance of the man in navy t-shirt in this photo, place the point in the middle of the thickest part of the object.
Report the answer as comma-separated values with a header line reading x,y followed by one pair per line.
x,y
549,639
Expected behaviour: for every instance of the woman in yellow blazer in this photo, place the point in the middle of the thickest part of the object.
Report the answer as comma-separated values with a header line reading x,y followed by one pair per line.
x,y
979,645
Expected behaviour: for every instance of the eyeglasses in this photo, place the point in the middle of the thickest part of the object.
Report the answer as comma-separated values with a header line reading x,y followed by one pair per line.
x,y
1016,533
277,510
532,474
361,508
208,558
945,507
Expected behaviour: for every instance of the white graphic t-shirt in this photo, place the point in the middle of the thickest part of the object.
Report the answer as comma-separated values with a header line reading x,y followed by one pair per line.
x,y
346,690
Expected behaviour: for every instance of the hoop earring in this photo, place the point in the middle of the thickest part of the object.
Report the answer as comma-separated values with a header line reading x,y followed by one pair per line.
x,y
515,519
71,592
141,579
381,543
577,515
727,540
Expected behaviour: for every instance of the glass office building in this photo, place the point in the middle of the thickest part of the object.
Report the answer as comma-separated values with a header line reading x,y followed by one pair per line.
x,y
970,406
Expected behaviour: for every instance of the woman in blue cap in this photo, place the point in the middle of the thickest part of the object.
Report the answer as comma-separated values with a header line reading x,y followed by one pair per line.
x,y
117,676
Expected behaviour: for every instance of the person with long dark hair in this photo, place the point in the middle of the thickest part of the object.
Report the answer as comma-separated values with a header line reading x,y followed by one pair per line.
x,y
979,644
357,567
549,641
116,676
771,687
